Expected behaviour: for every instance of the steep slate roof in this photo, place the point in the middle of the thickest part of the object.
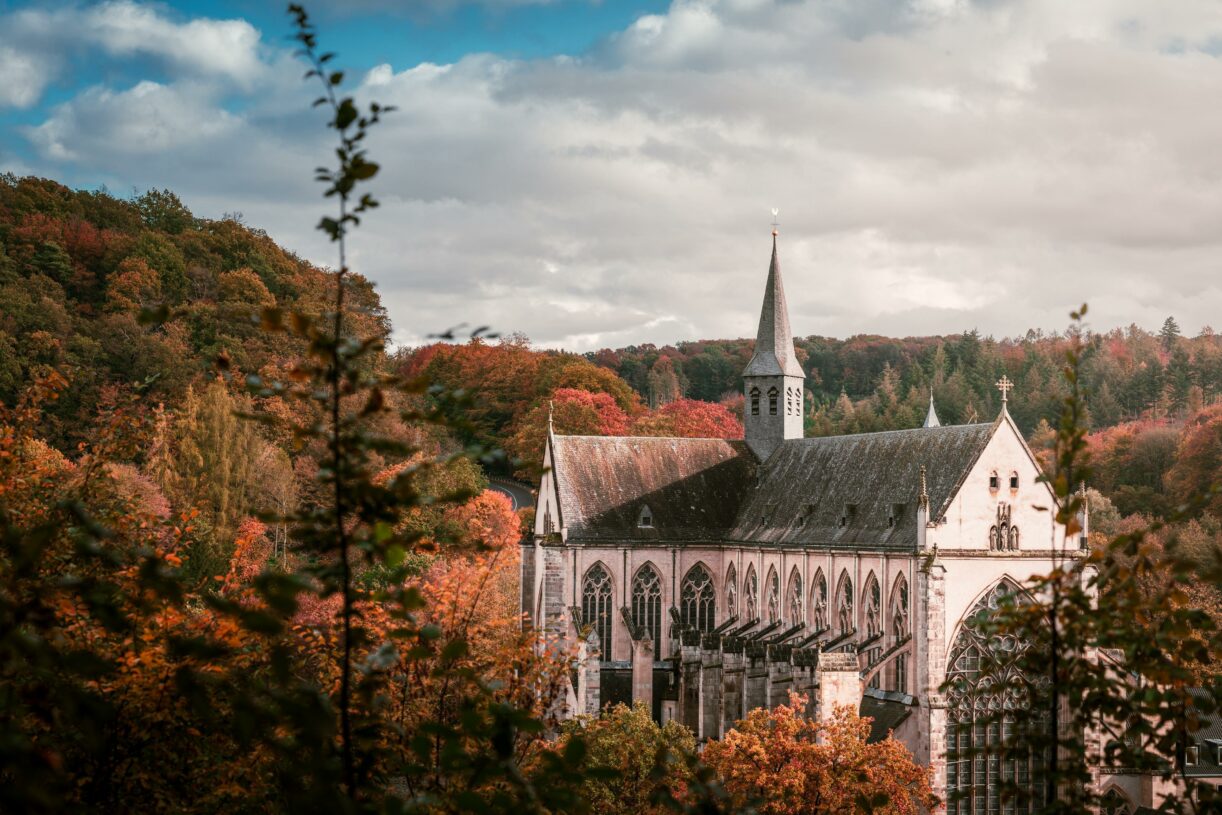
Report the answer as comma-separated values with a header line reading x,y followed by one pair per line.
x,y
806,484
1208,739
692,486
774,354
714,490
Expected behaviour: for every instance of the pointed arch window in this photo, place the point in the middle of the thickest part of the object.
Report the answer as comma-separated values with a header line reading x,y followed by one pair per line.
x,y
899,630
793,599
872,601
647,603
696,599
596,594
844,606
774,596
751,594
731,591
1114,803
755,401
818,602
773,398
548,525
988,701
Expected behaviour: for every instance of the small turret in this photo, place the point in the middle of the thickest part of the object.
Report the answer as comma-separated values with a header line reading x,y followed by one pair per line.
x,y
931,418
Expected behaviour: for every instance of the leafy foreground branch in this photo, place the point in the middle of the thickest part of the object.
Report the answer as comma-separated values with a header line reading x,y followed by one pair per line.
x,y
1102,665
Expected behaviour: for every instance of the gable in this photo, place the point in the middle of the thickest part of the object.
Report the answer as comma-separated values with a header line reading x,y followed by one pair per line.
x,y
973,509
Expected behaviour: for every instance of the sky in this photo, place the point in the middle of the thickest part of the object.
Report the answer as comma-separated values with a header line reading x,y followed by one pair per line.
x,y
601,173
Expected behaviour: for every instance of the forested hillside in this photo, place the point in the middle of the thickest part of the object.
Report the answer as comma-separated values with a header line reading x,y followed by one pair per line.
x,y
146,400
869,383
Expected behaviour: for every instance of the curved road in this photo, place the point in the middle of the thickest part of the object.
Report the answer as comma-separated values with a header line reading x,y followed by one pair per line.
x,y
520,494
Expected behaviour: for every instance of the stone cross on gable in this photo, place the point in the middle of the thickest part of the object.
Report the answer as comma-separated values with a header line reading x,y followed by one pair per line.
x,y
1004,385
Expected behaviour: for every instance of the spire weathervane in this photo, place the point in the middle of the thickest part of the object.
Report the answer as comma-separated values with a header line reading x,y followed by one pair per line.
x,y
1004,385
775,231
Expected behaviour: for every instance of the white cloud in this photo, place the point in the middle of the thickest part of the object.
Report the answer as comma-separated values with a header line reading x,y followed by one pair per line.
x,y
103,126
226,48
35,44
938,166
25,77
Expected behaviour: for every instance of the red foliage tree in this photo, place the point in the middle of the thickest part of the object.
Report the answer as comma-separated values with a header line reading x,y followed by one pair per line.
x,y
574,413
1198,464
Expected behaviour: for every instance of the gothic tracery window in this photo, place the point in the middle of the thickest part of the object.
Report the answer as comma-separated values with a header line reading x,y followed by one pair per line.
x,y
751,594
696,599
596,606
872,600
731,591
844,606
899,630
1114,803
984,714
793,602
647,603
773,596
818,602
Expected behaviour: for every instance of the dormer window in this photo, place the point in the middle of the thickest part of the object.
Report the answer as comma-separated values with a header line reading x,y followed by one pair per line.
x,y
897,512
1013,481
773,397
994,481
755,401
850,512
645,519
1192,756
766,518
807,512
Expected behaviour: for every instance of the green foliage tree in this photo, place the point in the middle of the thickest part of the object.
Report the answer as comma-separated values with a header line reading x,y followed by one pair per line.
x,y
210,462
627,741
1169,333
164,211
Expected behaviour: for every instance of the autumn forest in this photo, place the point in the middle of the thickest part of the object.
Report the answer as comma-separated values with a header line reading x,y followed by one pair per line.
x,y
250,559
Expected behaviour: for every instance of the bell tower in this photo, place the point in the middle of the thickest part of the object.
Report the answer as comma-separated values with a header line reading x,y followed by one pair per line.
x,y
773,381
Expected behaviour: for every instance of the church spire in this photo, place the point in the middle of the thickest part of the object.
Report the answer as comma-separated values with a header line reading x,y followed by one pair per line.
x,y
931,418
774,354
773,382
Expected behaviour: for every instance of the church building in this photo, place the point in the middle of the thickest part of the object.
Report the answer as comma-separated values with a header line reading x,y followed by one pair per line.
x,y
708,577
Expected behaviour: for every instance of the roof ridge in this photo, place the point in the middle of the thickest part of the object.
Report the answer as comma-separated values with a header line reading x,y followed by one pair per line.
x,y
639,438
940,428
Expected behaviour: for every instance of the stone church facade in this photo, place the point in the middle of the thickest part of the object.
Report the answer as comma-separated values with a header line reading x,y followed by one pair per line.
x,y
707,577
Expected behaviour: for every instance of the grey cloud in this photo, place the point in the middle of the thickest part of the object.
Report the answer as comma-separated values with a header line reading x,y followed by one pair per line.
x,y
938,166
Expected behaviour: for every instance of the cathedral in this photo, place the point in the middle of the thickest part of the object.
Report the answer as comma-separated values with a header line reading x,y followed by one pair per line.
x,y
708,577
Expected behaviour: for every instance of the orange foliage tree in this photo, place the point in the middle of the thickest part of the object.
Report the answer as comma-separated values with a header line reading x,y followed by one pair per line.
x,y
792,765
690,419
